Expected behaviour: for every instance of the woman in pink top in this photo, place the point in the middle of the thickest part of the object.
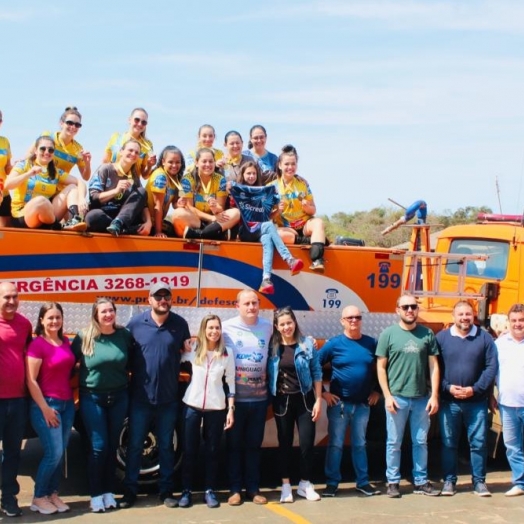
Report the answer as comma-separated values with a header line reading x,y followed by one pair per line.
x,y
49,364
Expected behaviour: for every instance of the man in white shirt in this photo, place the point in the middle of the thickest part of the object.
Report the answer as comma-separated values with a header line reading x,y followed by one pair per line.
x,y
510,385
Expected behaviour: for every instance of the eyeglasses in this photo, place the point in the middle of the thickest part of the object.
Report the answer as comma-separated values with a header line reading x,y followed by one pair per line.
x,y
78,125
43,149
354,317
405,307
140,121
159,298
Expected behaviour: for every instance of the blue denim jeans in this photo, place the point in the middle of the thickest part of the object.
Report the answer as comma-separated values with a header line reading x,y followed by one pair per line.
x,y
269,238
13,421
413,409
244,441
54,443
103,415
474,416
513,423
341,416
141,415
212,424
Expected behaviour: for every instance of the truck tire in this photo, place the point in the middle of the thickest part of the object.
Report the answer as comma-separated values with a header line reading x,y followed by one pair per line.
x,y
149,468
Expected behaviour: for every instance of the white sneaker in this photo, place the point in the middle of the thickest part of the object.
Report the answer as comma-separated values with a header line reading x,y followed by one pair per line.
x,y
97,504
307,490
286,497
43,505
109,501
515,491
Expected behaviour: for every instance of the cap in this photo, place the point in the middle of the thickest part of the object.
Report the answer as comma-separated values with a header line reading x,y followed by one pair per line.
x,y
155,288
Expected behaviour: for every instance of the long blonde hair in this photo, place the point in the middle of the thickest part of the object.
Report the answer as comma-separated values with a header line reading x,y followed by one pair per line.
x,y
92,332
201,346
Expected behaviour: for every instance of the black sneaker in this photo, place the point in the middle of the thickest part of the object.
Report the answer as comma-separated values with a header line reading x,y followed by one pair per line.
x,y
185,500
211,499
10,507
393,491
168,500
115,228
426,489
330,491
191,233
127,501
368,490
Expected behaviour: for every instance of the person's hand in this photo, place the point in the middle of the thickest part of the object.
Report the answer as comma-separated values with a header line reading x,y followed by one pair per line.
x,y
35,170
181,202
315,412
391,404
331,400
373,398
281,207
86,156
432,405
160,235
151,159
83,208
221,163
187,346
230,419
144,229
51,417
493,405
123,185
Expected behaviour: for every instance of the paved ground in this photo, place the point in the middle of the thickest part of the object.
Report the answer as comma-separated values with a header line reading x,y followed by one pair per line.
x,y
346,507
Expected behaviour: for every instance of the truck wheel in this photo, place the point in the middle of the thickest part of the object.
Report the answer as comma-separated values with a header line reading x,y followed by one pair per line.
x,y
149,467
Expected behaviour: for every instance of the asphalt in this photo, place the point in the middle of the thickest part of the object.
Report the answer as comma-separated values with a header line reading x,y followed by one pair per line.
x,y
347,506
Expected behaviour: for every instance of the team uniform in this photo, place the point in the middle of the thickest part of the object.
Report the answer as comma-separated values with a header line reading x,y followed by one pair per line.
x,y
66,156
116,142
292,195
5,160
36,185
216,188
160,183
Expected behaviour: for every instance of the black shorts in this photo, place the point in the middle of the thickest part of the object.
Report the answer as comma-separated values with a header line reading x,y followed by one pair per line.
x,y
5,207
18,222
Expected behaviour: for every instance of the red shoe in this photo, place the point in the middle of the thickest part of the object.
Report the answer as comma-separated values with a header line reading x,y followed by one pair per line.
x,y
295,266
266,287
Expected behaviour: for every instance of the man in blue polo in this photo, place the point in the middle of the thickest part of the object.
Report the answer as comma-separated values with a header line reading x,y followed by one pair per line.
x,y
351,393
160,337
468,365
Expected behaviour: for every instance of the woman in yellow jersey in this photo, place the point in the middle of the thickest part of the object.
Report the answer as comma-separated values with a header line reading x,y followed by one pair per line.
x,y
297,208
117,200
42,194
163,188
137,131
206,139
5,169
68,152
234,158
202,213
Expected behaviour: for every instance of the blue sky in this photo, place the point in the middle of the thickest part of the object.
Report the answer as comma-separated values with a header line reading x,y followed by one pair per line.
x,y
401,99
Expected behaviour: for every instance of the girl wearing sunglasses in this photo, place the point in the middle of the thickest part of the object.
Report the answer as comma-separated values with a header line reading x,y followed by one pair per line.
x,y
137,131
38,200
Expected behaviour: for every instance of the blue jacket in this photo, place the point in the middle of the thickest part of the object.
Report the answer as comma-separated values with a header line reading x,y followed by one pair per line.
x,y
306,363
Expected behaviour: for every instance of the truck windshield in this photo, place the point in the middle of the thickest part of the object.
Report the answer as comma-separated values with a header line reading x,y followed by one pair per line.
x,y
494,267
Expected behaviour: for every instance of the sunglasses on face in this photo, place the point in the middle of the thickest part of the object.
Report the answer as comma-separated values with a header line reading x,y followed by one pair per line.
x,y
354,317
159,298
43,149
78,125
140,121
405,307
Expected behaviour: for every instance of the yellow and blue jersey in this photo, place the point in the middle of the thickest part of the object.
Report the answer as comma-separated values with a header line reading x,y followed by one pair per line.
x,y
5,160
116,142
36,185
292,195
215,188
160,183
66,156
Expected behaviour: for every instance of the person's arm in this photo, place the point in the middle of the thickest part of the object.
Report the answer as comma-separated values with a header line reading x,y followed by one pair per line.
x,y
85,168
17,177
230,381
390,402
434,375
487,378
32,370
158,202
316,375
